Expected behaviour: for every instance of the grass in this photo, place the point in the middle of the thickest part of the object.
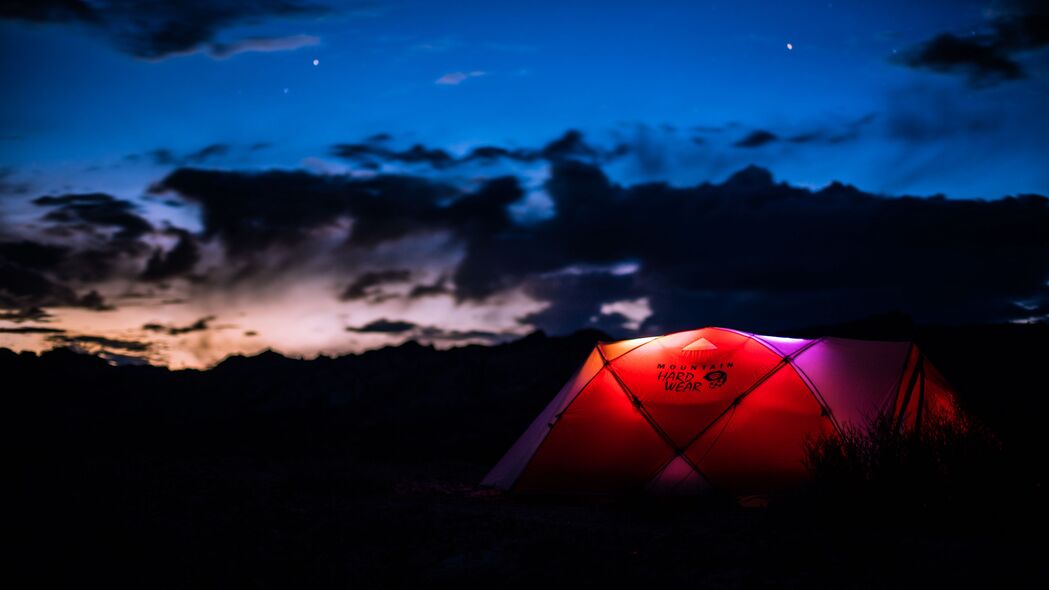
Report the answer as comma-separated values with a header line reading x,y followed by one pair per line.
x,y
941,468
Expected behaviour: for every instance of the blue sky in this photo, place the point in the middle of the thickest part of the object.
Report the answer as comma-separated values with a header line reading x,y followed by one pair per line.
x,y
76,99
188,180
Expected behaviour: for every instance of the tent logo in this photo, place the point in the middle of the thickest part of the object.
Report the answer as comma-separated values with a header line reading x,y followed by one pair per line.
x,y
681,377
716,378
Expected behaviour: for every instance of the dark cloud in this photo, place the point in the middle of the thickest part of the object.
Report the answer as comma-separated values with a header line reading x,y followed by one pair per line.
x,y
384,326
30,330
179,260
93,210
168,157
989,57
753,253
571,145
160,157
425,333
48,10
434,334
250,212
417,154
576,298
438,287
365,285
92,300
32,273
102,341
747,252
757,138
22,288
28,314
29,254
155,30
835,135
206,153
983,61
103,233
198,326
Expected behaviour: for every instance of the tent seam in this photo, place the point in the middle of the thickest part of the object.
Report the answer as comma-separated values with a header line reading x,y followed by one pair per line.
x,y
636,401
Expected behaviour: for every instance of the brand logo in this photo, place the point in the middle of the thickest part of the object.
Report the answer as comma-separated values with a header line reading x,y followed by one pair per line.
x,y
716,378
682,377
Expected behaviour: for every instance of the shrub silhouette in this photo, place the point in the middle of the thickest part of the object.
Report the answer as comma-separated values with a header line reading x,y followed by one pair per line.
x,y
947,463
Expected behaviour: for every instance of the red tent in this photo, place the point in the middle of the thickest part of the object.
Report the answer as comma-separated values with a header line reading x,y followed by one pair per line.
x,y
714,407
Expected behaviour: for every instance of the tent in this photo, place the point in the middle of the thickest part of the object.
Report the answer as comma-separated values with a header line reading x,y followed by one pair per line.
x,y
714,407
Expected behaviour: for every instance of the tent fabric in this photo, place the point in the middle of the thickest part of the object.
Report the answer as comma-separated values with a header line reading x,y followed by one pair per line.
x,y
681,413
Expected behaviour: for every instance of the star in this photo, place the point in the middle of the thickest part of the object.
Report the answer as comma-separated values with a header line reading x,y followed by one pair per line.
x,y
790,46
316,62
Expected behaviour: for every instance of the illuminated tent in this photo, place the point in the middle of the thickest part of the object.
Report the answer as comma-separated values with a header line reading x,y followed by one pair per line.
x,y
714,407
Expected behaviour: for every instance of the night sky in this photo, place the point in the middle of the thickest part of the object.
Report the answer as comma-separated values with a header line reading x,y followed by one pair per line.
x,y
183,181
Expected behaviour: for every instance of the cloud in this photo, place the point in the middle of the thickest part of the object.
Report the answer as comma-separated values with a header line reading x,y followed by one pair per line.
x,y
30,330
364,286
103,232
831,135
989,57
206,153
28,314
438,287
93,210
757,138
32,273
179,260
457,78
157,30
426,333
828,131
197,326
101,341
630,312
748,251
435,334
95,238
754,253
384,326
250,212
578,298
571,145
261,45
417,154
168,157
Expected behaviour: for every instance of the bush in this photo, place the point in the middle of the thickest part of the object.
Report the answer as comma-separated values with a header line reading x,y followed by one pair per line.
x,y
945,464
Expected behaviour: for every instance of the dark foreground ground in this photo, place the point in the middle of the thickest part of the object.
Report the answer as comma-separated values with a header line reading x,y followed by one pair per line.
x,y
361,471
